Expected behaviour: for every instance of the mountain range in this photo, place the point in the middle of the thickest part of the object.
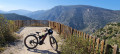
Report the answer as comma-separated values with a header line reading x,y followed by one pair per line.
x,y
13,16
82,17
31,14
20,11
35,14
2,11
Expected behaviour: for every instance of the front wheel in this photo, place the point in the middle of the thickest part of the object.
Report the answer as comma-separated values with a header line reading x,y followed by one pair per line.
x,y
53,43
31,41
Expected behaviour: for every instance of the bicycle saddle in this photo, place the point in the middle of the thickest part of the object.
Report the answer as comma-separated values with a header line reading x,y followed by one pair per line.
x,y
38,32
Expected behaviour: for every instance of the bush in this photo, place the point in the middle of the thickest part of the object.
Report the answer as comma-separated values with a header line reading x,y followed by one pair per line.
x,y
115,40
75,45
118,24
112,34
6,32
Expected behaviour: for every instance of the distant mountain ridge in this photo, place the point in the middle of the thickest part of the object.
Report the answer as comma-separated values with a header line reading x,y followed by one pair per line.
x,y
20,11
31,14
81,17
2,11
35,14
13,16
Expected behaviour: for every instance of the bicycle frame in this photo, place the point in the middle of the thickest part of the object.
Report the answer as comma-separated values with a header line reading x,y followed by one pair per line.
x,y
41,40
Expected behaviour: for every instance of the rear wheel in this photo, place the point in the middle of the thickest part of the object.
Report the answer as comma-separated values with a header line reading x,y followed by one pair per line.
x,y
53,43
31,41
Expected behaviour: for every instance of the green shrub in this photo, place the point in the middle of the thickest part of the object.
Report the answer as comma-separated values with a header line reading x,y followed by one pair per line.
x,y
6,32
112,33
118,24
115,40
104,37
110,28
75,45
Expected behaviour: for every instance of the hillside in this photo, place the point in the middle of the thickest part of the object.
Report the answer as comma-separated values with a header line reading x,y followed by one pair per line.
x,y
110,32
35,14
82,17
15,17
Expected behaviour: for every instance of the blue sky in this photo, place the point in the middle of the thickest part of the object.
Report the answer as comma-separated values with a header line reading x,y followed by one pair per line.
x,y
33,5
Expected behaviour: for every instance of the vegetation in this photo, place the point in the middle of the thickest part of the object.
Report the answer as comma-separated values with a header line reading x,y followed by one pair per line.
x,y
6,32
111,33
75,45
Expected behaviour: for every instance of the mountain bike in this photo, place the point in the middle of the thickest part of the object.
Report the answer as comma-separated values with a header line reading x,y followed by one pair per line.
x,y
31,41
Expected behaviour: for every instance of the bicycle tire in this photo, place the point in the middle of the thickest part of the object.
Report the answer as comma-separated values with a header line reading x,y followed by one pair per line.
x,y
27,45
55,43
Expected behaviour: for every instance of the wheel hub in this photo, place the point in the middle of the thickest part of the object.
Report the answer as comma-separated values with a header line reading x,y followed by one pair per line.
x,y
31,41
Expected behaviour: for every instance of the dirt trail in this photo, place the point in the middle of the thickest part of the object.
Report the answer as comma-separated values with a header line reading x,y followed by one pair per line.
x,y
19,48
